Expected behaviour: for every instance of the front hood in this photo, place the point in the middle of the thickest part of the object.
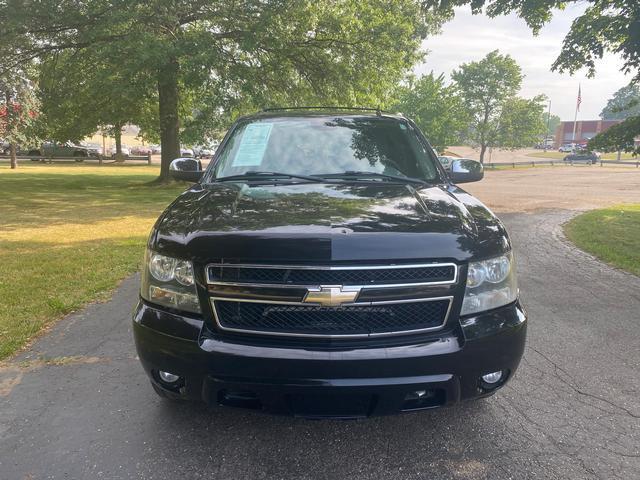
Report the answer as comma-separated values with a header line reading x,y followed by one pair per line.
x,y
322,223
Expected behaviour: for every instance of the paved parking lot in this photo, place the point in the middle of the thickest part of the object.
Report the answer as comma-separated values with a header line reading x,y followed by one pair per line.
x,y
77,404
567,188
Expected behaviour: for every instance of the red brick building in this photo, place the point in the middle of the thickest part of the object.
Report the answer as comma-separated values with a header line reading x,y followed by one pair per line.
x,y
585,131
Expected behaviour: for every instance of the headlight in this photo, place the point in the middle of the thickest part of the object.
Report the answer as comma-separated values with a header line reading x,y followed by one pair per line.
x,y
161,267
169,282
490,284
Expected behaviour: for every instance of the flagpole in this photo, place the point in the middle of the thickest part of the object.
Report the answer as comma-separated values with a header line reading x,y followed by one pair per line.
x,y
575,118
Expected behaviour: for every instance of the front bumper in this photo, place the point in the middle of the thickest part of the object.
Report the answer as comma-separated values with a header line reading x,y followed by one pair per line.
x,y
339,381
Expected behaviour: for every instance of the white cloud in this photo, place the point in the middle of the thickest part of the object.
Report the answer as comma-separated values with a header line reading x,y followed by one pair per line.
x,y
470,37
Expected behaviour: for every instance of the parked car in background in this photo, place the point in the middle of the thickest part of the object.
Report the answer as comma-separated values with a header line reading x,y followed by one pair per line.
x,y
583,156
546,144
155,149
94,148
186,152
567,148
203,151
5,148
124,149
140,150
53,149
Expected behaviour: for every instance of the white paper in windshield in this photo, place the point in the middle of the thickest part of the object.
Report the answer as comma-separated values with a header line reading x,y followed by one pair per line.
x,y
253,145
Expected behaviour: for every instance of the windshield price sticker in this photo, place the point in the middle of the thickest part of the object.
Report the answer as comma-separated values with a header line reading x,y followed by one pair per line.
x,y
253,145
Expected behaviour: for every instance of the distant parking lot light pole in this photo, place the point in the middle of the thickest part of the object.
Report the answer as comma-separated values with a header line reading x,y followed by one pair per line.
x,y
544,143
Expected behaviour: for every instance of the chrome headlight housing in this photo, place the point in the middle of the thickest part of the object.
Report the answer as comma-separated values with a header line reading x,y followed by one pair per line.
x,y
169,282
491,284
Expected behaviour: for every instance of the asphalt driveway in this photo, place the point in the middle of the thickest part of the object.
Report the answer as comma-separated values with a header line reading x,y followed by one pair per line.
x,y
78,405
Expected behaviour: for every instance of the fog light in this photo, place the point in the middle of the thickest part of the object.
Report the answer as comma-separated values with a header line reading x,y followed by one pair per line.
x,y
493,377
418,394
168,377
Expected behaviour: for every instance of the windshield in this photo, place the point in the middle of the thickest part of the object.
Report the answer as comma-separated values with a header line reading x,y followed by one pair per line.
x,y
326,145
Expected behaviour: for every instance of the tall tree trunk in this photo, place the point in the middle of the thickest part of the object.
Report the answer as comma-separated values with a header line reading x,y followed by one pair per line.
x,y
484,132
8,120
117,134
169,121
12,153
483,149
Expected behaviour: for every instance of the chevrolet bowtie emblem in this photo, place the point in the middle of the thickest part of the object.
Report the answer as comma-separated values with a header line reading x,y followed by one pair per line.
x,y
331,296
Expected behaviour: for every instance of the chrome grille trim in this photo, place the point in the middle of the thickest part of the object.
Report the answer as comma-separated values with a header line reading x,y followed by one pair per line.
x,y
211,281
344,336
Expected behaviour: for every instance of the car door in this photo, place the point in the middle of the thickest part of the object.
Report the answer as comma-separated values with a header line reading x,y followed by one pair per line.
x,y
67,150
48,149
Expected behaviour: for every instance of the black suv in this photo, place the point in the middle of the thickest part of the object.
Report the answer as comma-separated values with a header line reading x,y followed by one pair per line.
x,y
325,265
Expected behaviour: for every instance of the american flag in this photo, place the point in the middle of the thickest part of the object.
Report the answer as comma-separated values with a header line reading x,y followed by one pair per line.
x,y
579,99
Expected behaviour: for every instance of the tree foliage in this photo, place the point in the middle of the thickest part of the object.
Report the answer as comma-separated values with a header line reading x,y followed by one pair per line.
x,y
231,54
551,123
605,26
81,93
620,137
437,108
625,103
485,86
521,123
19,110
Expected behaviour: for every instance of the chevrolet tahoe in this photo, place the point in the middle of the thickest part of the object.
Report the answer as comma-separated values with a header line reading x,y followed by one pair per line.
x,y
324,264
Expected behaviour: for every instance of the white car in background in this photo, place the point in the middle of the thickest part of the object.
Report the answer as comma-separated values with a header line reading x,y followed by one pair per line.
x,y
186,152
204,151
140,150
125,149
568,148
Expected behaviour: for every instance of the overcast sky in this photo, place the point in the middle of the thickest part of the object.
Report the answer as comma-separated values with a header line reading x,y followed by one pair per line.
x,y
470,37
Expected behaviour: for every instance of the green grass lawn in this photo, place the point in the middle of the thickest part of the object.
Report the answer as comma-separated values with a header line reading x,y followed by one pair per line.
x,y
553,154
68,234
611,234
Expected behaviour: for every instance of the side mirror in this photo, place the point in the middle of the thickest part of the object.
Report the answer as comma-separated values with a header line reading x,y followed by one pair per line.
x,y
186,169
466,170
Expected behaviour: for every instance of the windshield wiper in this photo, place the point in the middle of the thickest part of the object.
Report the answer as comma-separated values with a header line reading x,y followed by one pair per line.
x,y
382,176
256,175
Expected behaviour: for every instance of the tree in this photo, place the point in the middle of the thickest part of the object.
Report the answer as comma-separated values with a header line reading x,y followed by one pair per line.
x,y
485,86
438,109
18,111
551,122
625,103
80,94
605,26
618,138
282,51
521,122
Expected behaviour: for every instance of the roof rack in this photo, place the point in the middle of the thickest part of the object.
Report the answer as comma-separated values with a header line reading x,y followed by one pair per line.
x,y
329,107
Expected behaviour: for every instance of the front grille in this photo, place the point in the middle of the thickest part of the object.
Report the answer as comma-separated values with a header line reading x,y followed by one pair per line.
x,y
437,273
353,320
